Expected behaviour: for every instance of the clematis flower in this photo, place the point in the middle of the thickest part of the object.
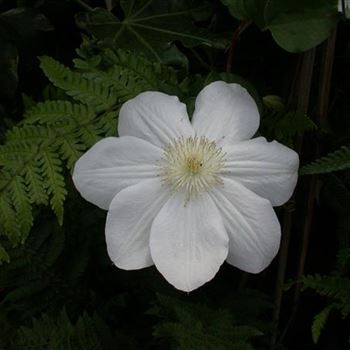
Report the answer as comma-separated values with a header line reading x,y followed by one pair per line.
x,y
186,196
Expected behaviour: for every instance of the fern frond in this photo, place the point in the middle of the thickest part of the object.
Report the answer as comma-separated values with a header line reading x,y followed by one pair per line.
x,y
196,326
56,112
8,220
59,332
53,135
34,156
335,287
319,322
130,74
52,166
338,160
22,205
35,183
70,149
77,86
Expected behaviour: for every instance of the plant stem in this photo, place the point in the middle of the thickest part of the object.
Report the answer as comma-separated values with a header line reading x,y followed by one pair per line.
x,y
235,36
302,88
109,5
321,116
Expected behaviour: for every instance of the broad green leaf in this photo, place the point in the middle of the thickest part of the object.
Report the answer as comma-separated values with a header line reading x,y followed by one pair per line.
x,y
298,25
247,10
148,26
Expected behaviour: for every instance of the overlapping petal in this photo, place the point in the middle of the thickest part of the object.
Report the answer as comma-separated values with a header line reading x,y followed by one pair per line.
x,y
155,117
269,169
225,113
188,241
113,164
128,225
251,224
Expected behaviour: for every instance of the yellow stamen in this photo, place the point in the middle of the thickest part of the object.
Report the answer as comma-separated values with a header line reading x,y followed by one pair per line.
x,y
192,165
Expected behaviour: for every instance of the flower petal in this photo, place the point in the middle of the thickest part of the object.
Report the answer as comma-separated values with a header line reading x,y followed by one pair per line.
x,y
129,221
154,117
225,113
251,224
188,241
113,164
269,169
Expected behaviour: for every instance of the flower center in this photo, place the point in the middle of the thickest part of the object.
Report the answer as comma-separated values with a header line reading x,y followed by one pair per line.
x,y
192,165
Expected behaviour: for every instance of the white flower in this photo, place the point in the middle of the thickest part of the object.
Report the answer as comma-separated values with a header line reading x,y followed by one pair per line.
x,y
188,196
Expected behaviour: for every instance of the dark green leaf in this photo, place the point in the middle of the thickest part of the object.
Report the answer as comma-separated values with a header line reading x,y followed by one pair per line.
x,y
298,25
247,10
148,26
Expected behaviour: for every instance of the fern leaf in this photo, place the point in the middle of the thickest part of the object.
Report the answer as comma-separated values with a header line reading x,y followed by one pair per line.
x,y
55,112
150,73
319,322
35,183
129,74
55,185
75,85
334,287
89,133
8,220
70,149
107,124
21,203
338,160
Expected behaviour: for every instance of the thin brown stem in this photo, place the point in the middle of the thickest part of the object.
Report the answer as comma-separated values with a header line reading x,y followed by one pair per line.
x,y
235,36
109,5
302,88
321,117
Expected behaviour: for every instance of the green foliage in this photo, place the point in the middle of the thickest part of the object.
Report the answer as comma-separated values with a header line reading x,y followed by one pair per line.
x,y
63,264
338,160
337,289
148,26
60,333
295,25
37,153
77,86
319,322
31,276
247,10
187,326
282,125
298,25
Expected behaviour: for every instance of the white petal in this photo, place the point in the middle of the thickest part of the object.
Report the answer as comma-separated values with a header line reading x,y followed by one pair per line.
x,y
269,169
154,117
188,242
129,221
113,164
251,224
225,113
